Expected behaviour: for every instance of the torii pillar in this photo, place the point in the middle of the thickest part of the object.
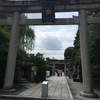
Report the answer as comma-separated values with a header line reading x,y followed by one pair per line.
x,y
85,57
11,60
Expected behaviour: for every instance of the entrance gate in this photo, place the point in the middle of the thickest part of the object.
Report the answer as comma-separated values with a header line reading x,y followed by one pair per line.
x,y
34,6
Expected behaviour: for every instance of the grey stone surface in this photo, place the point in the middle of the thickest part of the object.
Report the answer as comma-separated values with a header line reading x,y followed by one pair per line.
x,y
11,60
59,21
44,89
85,55
57,89
76,88
33,8
68,87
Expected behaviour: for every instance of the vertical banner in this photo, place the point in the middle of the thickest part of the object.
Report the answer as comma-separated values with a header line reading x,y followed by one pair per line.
x,y
48,11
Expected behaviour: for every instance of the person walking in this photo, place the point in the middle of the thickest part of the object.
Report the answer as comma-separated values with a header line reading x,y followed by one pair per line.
x,y
61,72
58,72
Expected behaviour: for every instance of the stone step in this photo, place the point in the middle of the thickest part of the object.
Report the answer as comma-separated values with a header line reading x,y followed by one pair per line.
x,y
24,80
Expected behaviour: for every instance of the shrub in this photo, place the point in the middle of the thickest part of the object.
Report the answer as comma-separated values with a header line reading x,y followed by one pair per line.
x,y
96,74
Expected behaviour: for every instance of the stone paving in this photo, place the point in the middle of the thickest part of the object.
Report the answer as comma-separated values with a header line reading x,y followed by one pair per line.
x,y
57,88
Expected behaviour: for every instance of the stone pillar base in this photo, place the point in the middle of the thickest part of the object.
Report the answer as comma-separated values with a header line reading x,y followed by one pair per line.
x,y
89,95
7,91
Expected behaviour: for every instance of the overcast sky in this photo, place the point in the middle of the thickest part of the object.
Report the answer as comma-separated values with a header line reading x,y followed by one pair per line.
x,y
52,40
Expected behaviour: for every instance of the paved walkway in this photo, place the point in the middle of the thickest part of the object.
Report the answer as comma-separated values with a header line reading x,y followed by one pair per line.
x,y
76,88
57,88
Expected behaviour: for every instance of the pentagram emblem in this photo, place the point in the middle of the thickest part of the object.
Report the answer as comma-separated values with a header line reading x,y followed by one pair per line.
x,y
48,11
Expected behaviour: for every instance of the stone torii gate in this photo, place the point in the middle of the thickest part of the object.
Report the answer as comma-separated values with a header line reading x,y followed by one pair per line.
x,y
35,7
54,62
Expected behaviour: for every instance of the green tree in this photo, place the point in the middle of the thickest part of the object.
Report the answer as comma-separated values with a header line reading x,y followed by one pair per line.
x,y
26,38
38,61
20,61
76,50
68,54
94,34
26,42
4,44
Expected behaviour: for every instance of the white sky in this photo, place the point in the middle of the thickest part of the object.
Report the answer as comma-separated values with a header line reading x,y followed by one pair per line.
x,y
52,40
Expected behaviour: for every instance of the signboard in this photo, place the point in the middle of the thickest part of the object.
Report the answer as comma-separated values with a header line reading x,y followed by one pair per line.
x,y
48,11
47,73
